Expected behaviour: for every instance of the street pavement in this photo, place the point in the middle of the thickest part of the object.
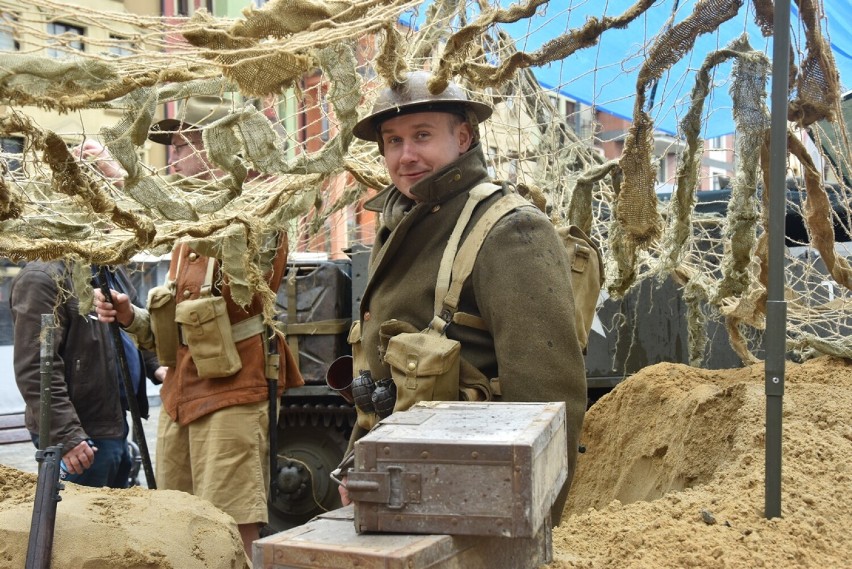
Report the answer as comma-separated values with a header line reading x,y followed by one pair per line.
x,y
22,455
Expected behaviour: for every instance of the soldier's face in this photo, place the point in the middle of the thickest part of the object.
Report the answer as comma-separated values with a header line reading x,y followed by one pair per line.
x,y
188,157
420,144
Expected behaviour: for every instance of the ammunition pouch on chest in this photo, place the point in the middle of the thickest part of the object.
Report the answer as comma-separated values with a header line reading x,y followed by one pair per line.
x,y
161,310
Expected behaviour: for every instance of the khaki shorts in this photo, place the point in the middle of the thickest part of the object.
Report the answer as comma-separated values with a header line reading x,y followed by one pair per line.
x,y
222,457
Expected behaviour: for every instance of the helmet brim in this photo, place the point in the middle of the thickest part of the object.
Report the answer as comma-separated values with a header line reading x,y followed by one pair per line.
x,y
368,127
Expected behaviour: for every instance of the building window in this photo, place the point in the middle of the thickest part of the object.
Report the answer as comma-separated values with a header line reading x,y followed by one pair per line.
x,y
325,125
259,3
187,7
69,36
572,119
492,161
554,100
661,171
13,150
120,46
8,42
716,143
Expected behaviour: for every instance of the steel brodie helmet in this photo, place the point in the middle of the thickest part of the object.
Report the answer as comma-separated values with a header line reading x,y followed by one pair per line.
x,y
413,96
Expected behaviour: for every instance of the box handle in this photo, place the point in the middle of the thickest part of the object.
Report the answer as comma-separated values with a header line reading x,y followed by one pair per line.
x,y
395,488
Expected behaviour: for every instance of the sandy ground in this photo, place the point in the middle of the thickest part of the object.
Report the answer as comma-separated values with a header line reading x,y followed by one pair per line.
x,y
673,476
115,529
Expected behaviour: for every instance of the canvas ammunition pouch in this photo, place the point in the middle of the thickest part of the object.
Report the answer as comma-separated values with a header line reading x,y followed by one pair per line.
x,y
161,309
587,278
424,367
206,330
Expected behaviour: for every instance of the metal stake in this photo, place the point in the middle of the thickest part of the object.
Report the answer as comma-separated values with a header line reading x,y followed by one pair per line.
x,y
776,307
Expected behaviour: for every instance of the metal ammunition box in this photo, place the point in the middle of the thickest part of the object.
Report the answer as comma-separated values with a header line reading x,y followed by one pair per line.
x,y
460,468
329,541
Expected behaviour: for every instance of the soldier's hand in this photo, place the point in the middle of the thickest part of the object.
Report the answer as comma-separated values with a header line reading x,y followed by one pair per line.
x,y
344,493
117,310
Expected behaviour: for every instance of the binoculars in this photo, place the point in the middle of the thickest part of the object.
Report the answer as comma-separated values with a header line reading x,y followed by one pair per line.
x,y
369,396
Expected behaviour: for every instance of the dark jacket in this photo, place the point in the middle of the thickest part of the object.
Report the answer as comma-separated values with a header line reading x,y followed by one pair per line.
x,y
85,393
520,287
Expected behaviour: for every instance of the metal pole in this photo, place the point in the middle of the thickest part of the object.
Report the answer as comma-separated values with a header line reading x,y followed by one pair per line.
x,y
124,370
45,378
776,307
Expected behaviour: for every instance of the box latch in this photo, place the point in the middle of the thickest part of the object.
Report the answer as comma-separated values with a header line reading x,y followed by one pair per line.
x,y
394,488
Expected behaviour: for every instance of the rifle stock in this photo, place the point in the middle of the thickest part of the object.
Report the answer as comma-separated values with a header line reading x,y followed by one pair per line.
x,y
44,508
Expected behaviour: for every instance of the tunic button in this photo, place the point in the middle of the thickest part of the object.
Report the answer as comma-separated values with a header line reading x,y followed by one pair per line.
x,y
435,208
193,256
186,293
457,177
412,366
367,317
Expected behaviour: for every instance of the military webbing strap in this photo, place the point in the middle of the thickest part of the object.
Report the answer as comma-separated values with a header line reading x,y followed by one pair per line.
x,y
479,193
251,326
457,265
466,257
292,313
207,287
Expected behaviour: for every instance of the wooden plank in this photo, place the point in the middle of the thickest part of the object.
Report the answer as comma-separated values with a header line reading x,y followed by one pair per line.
x,y
12,421
13,429
330,540
13,436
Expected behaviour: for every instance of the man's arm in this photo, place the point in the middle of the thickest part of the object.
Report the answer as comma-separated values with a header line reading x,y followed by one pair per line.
x,y
522,280
35,293
100,157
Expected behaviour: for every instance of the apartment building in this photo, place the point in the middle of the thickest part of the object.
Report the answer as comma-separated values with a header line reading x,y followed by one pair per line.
x,y
61,33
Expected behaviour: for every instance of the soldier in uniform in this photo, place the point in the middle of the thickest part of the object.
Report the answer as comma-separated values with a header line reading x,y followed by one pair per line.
x,y
515,320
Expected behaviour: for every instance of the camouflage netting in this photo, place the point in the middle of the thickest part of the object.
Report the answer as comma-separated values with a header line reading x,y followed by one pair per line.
x,y
301,72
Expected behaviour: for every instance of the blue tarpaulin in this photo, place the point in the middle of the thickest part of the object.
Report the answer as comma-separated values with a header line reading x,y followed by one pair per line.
x,y
605,75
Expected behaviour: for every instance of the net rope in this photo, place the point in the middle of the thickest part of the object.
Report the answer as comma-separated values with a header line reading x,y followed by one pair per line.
x,y
299,75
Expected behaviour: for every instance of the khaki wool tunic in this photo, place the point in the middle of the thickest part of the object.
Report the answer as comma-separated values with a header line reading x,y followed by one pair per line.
x,y
520,287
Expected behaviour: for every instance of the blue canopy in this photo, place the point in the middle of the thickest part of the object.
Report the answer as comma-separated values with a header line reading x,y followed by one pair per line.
x,y
605,75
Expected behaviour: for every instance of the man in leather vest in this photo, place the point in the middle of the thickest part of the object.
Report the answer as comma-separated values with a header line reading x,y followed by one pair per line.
x,y
518,330
212,440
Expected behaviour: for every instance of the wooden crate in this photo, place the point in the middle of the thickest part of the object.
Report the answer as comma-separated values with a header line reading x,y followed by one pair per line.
x,y
460,468
331,542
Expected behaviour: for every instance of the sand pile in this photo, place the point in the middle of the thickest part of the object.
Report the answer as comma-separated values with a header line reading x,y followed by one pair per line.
x,y
674,472
99,528
673,476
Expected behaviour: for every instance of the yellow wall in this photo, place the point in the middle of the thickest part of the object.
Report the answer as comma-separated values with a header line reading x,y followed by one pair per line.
x,y
73,126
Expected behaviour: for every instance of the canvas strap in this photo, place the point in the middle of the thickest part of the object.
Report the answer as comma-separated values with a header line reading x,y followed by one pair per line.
x,y
445,271
463,261
292,329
